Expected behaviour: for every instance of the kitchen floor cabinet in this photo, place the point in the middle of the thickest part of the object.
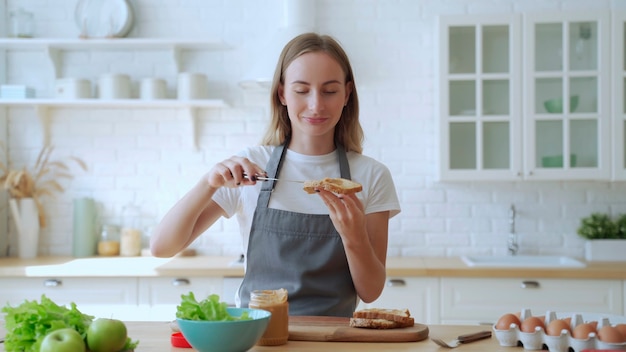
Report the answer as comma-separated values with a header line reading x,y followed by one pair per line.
x,y
98,297
544,117
483,301
419,294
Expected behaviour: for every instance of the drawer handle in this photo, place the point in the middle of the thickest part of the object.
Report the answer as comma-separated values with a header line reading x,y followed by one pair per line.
x,y
396,283
530,284
180,282
52,283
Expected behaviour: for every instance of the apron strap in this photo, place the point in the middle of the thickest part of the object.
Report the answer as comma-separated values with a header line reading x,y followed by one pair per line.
x,y
272,168
344,167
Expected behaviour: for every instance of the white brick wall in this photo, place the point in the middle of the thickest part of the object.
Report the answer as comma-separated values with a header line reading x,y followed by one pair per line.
x,y
145,156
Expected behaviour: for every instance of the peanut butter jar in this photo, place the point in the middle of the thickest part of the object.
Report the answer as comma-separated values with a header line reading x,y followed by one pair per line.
x,y
274,301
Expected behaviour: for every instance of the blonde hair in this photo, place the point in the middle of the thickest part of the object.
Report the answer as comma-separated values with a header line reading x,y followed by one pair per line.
x,y
348,131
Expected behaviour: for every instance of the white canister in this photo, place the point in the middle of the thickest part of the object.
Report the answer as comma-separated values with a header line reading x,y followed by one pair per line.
x,y
130,242
153,88
72,88
192,86
114,86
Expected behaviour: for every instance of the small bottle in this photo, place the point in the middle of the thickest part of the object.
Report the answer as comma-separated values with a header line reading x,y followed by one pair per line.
x,y
130,241
274,301
109,242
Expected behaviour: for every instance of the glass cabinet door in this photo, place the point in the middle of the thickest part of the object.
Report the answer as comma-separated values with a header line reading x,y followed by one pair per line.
x,y
479,104
568,122
619,95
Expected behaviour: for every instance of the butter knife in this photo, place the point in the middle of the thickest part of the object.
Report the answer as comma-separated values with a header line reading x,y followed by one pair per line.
x,y
263,178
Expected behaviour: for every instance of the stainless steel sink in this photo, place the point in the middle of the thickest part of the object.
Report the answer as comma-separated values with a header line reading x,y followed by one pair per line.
x,y
522,261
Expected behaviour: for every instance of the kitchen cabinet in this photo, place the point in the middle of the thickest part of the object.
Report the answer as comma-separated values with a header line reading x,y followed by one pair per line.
x,y
127,298
483,301
64,290
479,97
567,59
496,76
163,294
419,294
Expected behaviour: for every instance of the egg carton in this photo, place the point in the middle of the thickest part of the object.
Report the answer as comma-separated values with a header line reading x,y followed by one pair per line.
x,y
538,339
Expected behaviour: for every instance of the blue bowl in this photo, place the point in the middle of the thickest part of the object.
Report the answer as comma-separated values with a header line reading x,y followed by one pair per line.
x,y
226,336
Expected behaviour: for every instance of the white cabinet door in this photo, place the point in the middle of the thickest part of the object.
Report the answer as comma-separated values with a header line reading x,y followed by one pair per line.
x,y
98,297
479,97
483,301
82,291
419,294
567,96
530,100
163,294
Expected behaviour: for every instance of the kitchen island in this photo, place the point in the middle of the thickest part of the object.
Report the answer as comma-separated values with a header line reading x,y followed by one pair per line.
x,y
155,337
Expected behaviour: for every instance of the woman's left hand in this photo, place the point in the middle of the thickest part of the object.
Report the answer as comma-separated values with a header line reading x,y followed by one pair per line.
x,y
347,214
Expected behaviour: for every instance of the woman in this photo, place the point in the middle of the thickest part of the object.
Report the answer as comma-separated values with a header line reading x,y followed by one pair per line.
x,y
327,251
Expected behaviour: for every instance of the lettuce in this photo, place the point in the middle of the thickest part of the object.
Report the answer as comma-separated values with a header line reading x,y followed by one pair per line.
x,y
208,309
28,323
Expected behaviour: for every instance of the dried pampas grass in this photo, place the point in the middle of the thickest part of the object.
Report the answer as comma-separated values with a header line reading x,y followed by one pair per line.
x,y
42,180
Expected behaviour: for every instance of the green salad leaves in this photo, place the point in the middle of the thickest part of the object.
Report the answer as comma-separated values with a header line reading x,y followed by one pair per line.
x,y
28,323
208,309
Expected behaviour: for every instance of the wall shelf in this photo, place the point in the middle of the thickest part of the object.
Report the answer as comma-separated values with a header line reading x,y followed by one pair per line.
x,y
53,47
116,103
187,107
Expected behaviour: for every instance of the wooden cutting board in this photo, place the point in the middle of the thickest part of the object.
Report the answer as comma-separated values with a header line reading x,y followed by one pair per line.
x,y
311,328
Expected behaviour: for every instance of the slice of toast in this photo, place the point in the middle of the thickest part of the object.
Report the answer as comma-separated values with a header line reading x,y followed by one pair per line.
x,y
373,323
379,318
399,315
335,185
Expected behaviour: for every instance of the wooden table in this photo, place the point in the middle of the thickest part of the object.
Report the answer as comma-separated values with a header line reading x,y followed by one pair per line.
x,y
154,337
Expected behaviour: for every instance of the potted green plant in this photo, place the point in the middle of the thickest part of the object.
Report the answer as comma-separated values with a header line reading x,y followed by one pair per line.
x,y
605,237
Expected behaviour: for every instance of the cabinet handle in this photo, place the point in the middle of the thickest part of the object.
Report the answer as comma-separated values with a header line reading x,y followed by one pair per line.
x,y
530,284
180,282
396,283
52,283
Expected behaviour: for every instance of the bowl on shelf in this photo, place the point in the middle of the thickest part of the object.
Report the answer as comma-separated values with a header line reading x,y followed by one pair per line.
x,y
226,336
555,106
557,161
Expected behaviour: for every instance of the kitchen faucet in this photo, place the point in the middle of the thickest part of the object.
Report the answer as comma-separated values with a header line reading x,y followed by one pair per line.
x,y
512,244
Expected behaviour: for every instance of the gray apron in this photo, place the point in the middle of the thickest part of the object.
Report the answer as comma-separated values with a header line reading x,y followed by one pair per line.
x,y
302,253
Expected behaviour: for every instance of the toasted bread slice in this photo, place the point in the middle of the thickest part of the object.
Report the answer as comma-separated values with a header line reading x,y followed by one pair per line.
x,y
379,318
335,185
373,323
399,315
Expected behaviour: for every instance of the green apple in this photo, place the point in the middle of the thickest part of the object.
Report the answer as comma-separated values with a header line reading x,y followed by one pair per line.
x,y
106,335
63,340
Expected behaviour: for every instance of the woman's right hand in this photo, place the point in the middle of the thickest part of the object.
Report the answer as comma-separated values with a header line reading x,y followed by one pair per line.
x,y
230,173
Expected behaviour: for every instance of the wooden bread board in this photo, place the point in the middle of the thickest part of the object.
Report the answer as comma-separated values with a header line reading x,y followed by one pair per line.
x,y
313,328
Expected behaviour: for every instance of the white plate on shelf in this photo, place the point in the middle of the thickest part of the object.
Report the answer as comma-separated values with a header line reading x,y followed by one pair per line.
x,y
103,19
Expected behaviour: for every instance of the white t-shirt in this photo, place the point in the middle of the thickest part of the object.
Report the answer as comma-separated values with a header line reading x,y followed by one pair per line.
x,y
379,193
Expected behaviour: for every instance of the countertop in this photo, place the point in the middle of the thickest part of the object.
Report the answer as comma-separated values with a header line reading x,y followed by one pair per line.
x,y
155,337
210,266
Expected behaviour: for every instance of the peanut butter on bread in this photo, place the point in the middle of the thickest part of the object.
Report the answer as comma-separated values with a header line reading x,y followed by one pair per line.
x,y
335,185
